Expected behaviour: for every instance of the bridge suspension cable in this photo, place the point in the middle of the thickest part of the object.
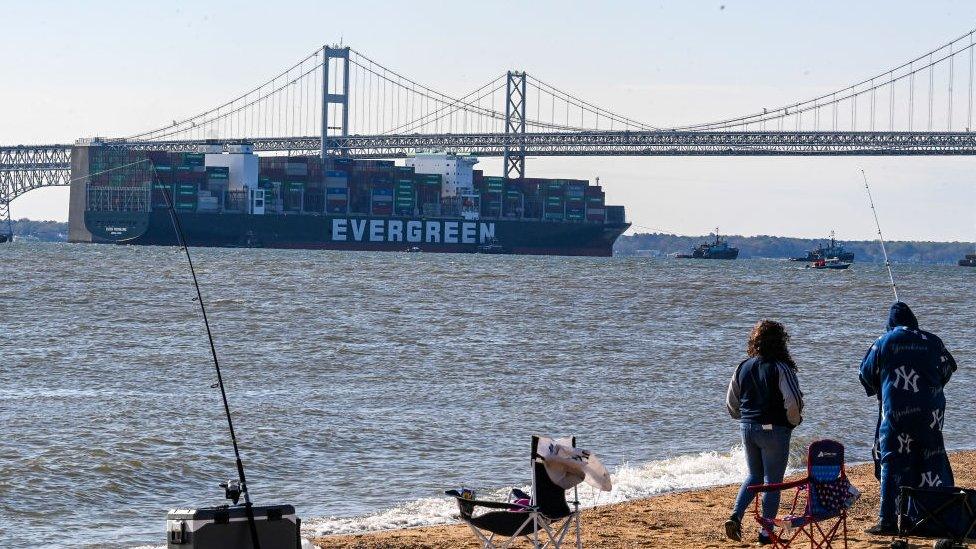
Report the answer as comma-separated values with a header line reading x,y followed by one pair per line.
x,y
252,112
612,121
382,101
863,95
479,111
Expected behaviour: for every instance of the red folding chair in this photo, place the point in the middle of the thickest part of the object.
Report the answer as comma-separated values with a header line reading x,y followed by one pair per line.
x,y
819,509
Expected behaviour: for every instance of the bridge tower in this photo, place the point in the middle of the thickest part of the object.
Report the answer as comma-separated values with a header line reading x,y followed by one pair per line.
x,y
515,124
340,56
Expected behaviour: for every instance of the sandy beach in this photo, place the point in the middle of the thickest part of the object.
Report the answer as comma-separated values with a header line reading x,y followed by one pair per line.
x,y
685,520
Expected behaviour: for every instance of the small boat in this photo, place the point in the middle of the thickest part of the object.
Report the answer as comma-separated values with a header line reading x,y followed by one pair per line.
x,y
968,261
414,249
832,263
5,238
491,246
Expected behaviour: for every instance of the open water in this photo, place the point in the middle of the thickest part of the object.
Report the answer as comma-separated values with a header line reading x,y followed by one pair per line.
x,y
364,384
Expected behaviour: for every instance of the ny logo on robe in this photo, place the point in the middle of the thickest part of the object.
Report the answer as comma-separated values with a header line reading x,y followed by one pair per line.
x,y
938,420
904,444
906,378
930,480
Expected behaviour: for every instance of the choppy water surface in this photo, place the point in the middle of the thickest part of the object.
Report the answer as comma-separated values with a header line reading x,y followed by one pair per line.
x,y
364,384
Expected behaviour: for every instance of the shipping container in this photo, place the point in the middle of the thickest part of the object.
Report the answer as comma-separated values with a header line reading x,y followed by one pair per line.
x,y
381,199
314,201
293,200
296,168
236,201
192,159
513,205
615,214
405,199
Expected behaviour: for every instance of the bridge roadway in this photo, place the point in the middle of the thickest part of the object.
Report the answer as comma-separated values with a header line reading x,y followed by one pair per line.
x,y
621,143
27,167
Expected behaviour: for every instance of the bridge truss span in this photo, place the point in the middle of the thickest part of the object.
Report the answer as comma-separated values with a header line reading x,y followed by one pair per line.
x,y
27,167
636,143
670,143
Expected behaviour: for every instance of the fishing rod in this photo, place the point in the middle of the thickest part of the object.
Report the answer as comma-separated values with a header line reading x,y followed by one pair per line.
x,y
884,251
232,492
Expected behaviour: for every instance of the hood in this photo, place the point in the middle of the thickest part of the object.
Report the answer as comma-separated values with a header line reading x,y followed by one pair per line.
x,y
901,315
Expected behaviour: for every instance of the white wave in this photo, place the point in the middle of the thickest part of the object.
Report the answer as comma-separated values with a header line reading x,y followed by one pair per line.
x,y
670,475
629,482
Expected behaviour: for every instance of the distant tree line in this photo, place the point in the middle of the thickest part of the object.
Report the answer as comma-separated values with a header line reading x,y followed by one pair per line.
x,y
778,247
659,243
44,231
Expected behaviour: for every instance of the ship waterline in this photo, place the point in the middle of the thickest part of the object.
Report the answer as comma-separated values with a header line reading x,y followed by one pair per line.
x,y
355,233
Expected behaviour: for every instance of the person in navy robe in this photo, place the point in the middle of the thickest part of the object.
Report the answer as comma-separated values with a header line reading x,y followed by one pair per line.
x,y
907,369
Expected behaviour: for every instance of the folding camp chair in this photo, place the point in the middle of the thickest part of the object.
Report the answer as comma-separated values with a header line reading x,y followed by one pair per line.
x,y
947,514
544,516
819,509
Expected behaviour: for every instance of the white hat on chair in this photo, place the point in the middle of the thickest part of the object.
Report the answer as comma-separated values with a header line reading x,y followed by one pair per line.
x,y
568,466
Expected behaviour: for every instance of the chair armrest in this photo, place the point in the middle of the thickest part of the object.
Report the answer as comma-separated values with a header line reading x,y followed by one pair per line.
x,y
778,487
489,504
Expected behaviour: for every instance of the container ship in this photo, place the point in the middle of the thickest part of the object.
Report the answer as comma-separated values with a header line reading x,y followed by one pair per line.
x,y
436,202
719,249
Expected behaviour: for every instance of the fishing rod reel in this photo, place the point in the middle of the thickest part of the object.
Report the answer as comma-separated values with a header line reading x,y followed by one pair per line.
x,y
232,490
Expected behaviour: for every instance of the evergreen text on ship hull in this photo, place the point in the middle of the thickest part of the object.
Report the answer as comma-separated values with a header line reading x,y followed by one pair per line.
x,y
417,231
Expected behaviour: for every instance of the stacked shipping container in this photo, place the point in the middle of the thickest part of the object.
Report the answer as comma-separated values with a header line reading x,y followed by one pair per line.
x,y
342,186
428,191
575,200
492,190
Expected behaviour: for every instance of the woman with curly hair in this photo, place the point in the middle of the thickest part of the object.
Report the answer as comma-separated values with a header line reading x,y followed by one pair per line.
x,y
764,395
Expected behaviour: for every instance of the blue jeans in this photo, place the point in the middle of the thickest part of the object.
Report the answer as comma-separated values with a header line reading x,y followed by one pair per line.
x,y
767,452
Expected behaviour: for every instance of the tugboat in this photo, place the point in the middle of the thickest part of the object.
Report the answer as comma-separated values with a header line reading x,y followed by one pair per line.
x,y
834,250
719,249
968,261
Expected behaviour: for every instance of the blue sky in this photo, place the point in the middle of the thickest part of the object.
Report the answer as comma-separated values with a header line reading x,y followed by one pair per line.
x,y
112,68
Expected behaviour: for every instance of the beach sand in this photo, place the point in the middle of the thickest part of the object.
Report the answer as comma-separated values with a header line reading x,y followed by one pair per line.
x,y
682,520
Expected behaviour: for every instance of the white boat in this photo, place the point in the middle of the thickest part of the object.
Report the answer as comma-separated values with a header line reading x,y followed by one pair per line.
x,y
832,263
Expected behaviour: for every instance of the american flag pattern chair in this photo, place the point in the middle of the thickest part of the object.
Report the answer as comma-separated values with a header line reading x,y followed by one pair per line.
x,y
818,513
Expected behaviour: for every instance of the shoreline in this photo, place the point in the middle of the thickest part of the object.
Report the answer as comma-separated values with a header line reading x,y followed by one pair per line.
x,y
683,518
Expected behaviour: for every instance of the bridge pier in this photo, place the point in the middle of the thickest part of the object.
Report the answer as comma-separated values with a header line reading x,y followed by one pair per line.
x,y
6,225
78,200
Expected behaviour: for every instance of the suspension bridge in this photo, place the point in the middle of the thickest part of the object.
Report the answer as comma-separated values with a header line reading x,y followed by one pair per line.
x,y
338,101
